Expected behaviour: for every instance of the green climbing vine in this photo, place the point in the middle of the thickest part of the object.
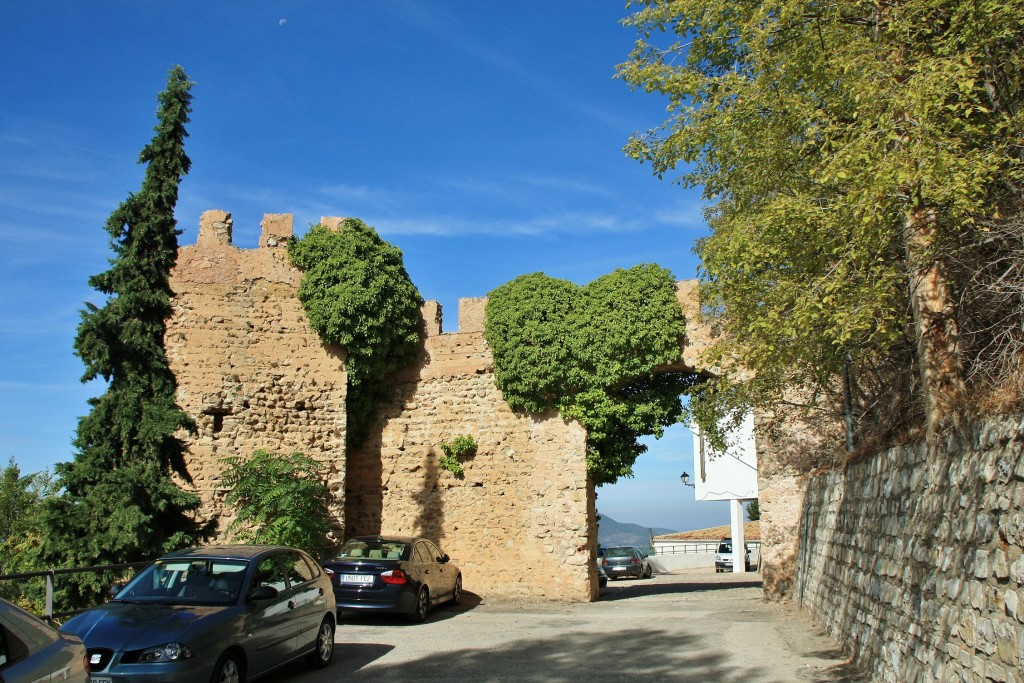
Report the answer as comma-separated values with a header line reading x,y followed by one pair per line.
x,y
455,451
358,295
590,353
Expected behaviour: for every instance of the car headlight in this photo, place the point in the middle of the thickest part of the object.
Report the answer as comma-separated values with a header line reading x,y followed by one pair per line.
x,y
168,652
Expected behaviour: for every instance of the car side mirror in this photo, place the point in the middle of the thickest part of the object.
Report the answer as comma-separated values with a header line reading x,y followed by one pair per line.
x,y
263,593
115,589
444,558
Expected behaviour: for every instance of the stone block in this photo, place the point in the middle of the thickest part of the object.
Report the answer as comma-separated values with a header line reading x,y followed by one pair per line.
x,y
276,229
214,228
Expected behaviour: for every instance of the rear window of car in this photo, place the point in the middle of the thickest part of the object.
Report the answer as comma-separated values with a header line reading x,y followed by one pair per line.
x,y
618,552
357,549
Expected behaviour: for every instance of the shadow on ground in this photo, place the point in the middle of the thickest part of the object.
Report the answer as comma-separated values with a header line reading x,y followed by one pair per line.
x,y
470,601
650,651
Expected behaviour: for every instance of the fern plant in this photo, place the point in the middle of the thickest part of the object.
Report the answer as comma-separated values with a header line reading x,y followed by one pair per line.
x,y
278,499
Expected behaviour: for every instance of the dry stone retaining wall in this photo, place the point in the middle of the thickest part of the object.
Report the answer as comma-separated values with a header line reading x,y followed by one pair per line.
x,y
913,558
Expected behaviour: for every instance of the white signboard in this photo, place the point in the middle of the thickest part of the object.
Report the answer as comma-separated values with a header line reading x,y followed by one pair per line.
x,y
731,475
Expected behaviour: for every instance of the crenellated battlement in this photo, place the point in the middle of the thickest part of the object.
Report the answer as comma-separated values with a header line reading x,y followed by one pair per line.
x,y
207,261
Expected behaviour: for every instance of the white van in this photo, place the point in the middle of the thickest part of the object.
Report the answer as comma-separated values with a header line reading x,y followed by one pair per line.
x,y
723,556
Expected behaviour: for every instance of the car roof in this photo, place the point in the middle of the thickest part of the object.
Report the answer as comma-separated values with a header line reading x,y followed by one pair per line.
x,y
226,551
389,539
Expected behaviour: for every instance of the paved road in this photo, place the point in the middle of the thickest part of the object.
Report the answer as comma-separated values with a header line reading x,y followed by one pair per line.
x,y
690,626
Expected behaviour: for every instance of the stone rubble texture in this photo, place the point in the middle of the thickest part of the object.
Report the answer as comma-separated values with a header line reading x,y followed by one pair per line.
x,y
521,521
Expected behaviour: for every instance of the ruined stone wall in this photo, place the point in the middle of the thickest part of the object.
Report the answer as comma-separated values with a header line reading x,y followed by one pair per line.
x,y
520,523
253,375
250,372
914,558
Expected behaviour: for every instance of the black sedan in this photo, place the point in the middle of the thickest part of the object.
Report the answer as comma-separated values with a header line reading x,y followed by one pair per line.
x,y
393,574
219,613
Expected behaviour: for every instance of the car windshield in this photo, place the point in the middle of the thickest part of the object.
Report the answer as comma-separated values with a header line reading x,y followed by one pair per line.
x,y
726,547
369,549
618,552
187,581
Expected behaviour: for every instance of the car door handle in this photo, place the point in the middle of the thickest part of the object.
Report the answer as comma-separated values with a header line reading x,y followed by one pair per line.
x,y
291,604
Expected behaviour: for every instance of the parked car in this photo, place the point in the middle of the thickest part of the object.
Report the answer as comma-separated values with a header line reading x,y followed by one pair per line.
x,y
626,560
723,556
216,613
393,574
32,651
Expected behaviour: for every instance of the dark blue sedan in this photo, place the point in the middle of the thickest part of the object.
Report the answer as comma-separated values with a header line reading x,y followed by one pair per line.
x,y
218,613
393,574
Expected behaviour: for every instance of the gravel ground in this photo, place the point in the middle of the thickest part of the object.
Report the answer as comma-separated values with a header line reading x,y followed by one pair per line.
x,y
688,626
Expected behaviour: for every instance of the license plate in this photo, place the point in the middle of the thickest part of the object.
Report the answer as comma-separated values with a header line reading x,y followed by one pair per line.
x,y
101,679
619,569
359,579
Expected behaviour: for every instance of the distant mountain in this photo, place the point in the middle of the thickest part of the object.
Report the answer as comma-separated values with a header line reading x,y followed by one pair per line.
x,y
610,532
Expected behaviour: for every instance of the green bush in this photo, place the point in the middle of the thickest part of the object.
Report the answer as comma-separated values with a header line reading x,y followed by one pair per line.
x,y
461,447
279,499
591,353
358,295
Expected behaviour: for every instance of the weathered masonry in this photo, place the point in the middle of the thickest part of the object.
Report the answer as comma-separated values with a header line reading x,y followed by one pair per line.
x,y
254,376
914,557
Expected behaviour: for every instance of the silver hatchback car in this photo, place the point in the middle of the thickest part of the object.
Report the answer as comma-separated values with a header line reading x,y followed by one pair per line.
x,y
32,651
217,613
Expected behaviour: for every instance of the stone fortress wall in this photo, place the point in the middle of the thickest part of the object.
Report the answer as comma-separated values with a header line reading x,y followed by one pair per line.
x,y
253,375
914,557
250,371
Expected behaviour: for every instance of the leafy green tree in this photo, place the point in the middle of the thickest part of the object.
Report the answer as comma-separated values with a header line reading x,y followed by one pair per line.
x,y
120,502
591,353
855,156
358,295
21,500
279,499
753,511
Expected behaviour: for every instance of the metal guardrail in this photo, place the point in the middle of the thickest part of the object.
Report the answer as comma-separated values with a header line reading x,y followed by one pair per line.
x,y
49,615
697,548
50,574
686,549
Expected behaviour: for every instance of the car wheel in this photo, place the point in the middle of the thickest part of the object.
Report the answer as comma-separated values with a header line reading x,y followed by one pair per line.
x,y
649,573
422,604
457,591
323,646
228,669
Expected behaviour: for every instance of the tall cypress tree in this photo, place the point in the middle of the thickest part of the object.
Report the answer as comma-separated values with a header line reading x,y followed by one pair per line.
x,y
120,502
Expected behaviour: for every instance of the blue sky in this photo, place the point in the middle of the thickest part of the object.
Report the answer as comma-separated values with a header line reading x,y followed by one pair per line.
x,y
482,138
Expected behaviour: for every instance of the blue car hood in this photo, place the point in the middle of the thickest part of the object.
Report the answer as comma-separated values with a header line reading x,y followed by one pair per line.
x,y
124,626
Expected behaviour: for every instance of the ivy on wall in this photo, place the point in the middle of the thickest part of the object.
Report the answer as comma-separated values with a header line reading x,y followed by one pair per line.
x,y
590,353
358,295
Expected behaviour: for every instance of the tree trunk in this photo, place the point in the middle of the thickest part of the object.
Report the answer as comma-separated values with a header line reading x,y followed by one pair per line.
x,y
935,324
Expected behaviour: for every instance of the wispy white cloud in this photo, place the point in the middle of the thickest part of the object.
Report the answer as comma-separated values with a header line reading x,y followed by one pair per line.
x,y
482,51
687,216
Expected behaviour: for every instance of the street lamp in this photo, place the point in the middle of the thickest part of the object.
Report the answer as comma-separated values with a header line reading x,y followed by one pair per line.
x,y
685,478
